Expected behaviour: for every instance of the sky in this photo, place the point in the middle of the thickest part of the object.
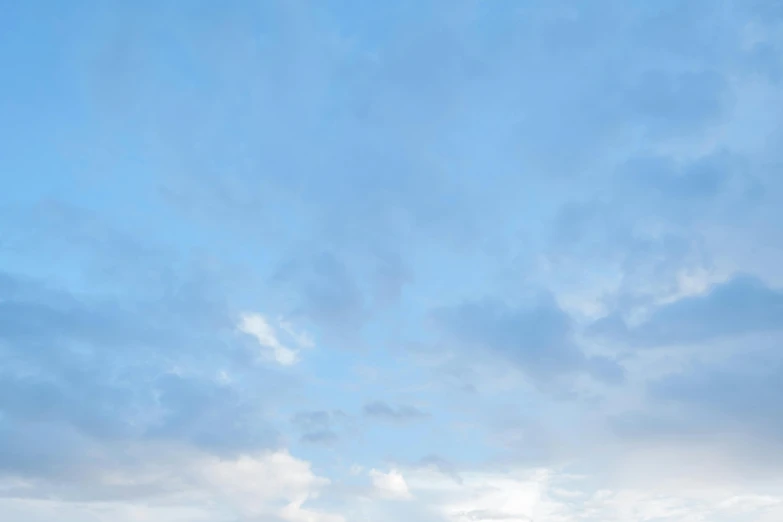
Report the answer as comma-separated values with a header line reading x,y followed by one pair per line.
x,y
432,260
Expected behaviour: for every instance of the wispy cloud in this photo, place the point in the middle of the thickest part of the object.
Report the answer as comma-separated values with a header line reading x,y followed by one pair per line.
x,y
383,411
257,326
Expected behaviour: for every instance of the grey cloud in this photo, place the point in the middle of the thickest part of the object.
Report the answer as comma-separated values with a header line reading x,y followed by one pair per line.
x,y
319,426
742,394
627,78
662,177
312,419
100,372
383,411
443,466
320,437
338,292
209,415
624,58
742,305
130,271
713,186
28,448
656,189
36,322
763,60
105,253
324,291
692,99
390,276
539,339
729,400
730,405
767,10
648,224
551,86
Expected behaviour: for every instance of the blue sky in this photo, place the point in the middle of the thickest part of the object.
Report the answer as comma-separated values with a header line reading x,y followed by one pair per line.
x,y
446,261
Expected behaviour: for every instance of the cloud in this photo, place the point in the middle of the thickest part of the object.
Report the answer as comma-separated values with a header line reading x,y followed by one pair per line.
x,y
721,405
318,426
715,394
644,227
442,465
408,95
538,339
279,487
383,411
322,289
32,312
301,338
739,306
258,326
390,485
691,99
534,494
367,173
272,484
98,371
681,191
177,485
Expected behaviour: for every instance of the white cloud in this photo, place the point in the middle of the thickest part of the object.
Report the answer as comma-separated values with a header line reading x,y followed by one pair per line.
x,y
390,485
258,326
527,495
271,485
486,496
44,510
277,486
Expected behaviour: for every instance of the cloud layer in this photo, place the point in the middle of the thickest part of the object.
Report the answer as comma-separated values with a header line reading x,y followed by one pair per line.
x,y
440,261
